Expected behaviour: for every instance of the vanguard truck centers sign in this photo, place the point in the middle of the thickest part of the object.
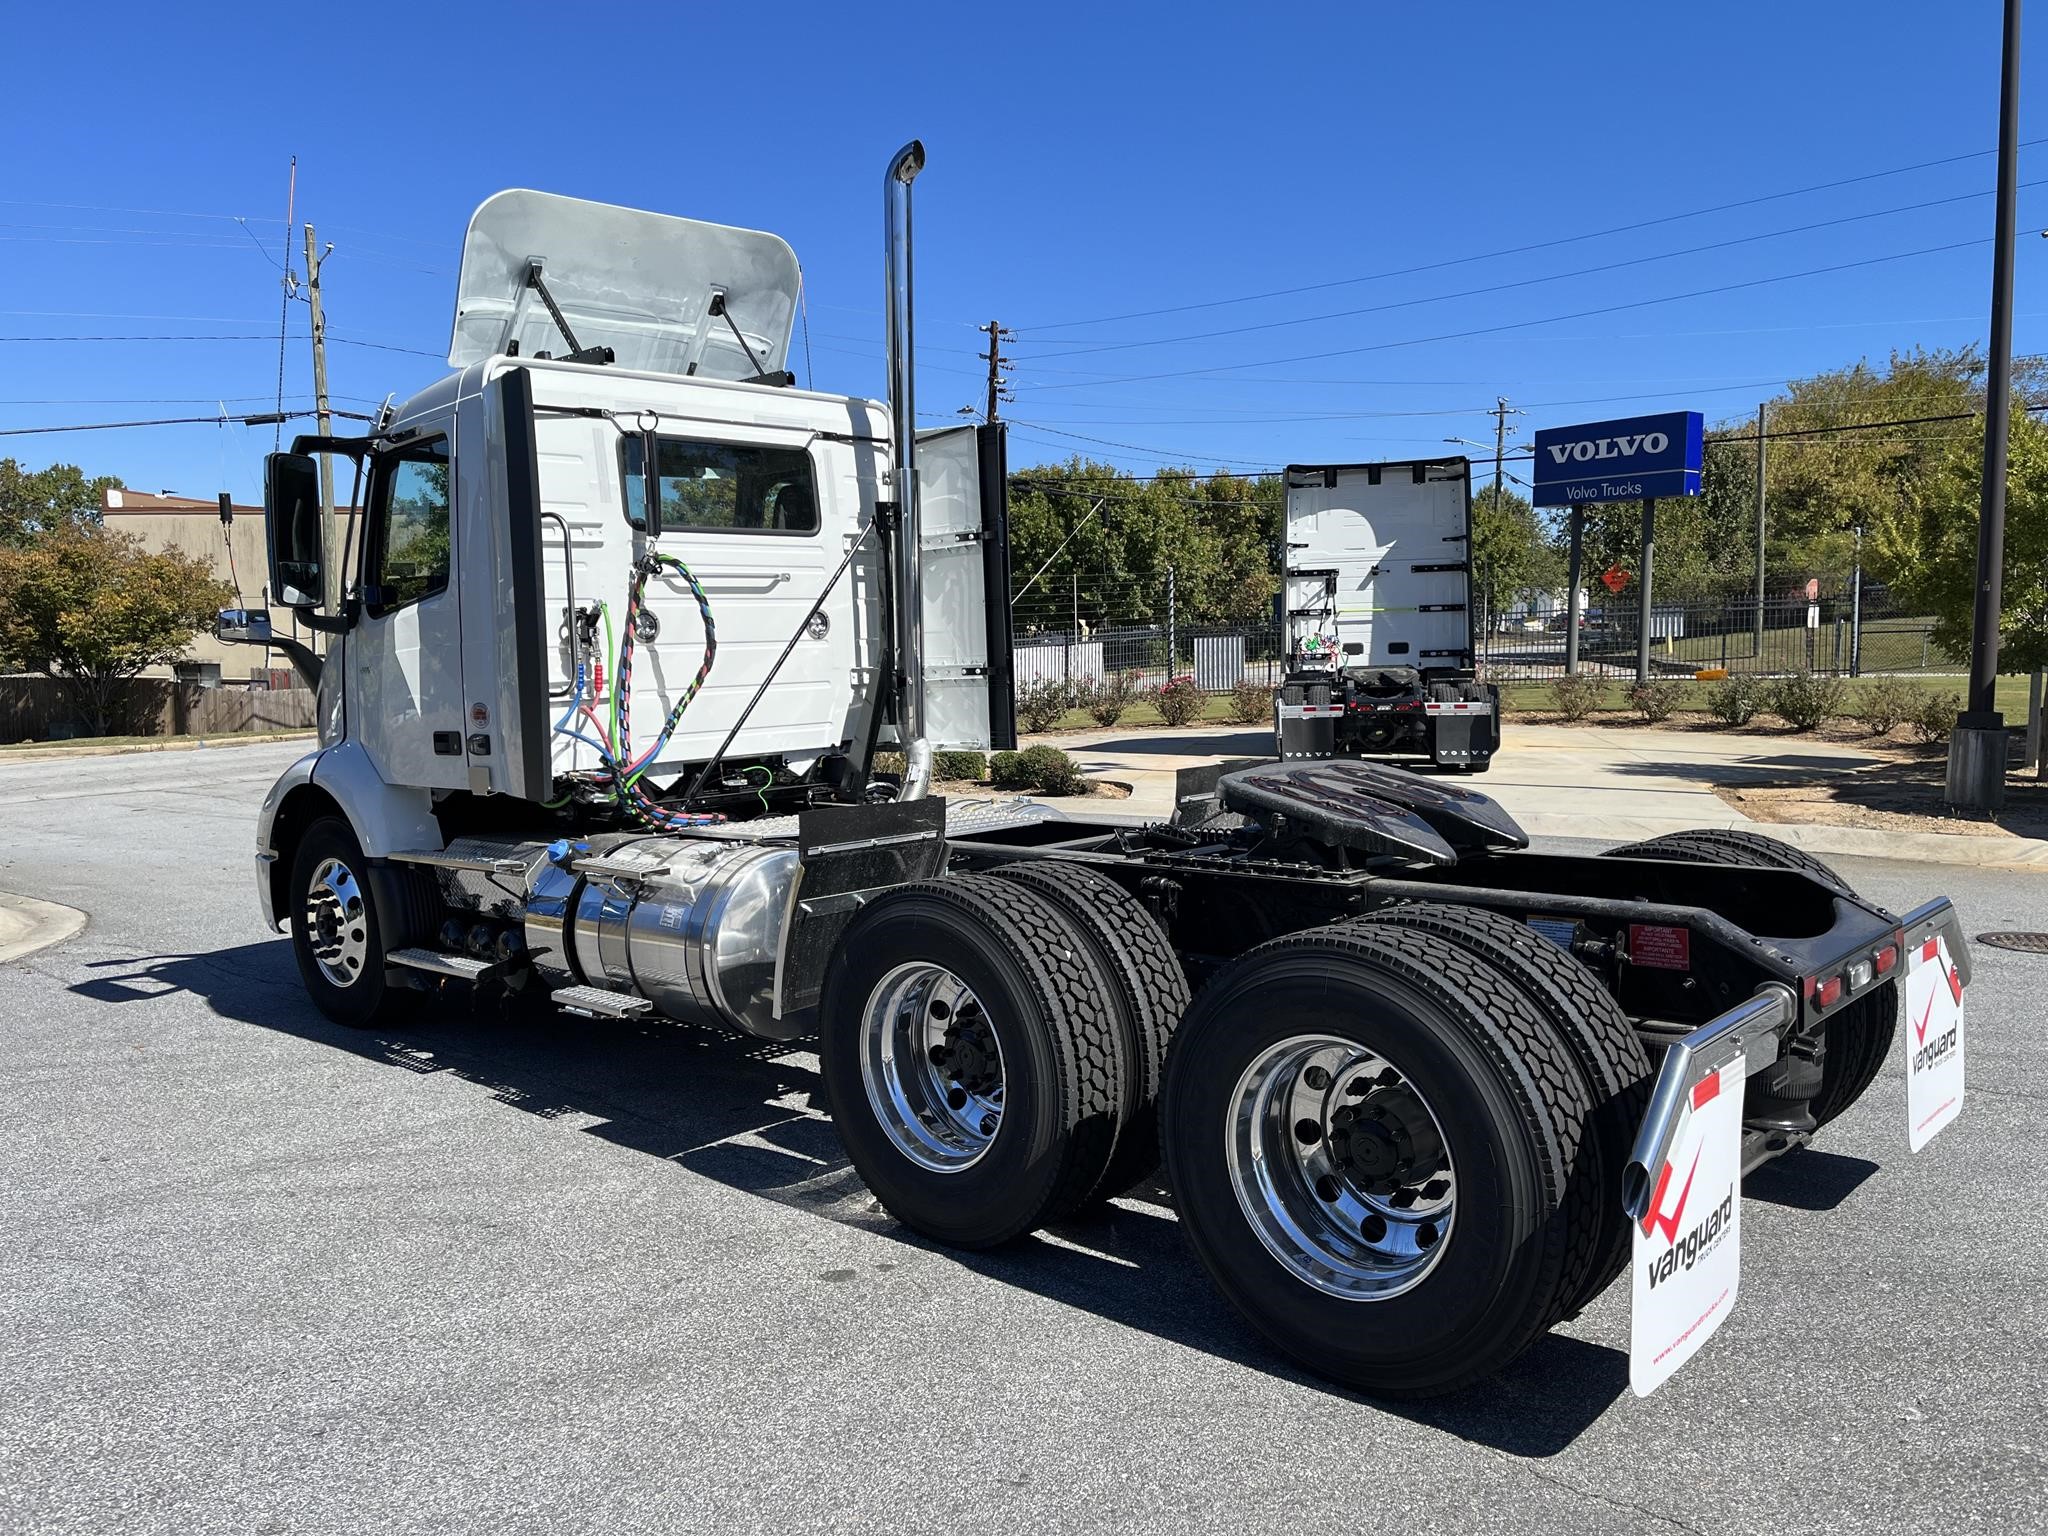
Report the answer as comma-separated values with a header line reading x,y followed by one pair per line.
x,y
1644,458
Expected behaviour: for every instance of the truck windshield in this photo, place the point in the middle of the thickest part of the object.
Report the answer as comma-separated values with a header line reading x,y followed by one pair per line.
x,y
731,487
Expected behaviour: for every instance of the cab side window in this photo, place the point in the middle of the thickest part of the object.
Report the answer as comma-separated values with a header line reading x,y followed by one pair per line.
x,y
723,487
410,508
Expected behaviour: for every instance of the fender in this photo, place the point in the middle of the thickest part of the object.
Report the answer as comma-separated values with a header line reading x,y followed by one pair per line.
x,y
385,819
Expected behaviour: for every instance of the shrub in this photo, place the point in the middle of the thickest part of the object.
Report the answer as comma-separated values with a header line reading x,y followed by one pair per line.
x,y
1251,703
1577,695
1656,699
1886,704
1934,716
1042,702
1737,698
1179,702
1804,700
1045,770
1110,698
959,765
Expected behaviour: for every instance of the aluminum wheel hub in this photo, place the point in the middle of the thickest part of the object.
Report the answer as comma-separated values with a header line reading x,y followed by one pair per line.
x,y
932,1067
335,928
1340,1167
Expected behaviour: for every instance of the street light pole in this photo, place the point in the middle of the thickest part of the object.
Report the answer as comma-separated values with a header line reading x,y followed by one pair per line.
x,y
1976,754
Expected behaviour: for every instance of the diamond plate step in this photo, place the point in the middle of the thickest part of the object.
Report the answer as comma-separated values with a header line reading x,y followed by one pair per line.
x,y
599,1003
441,858
435,963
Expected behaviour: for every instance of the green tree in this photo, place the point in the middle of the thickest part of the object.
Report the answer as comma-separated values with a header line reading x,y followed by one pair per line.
x,y
93,609
1927,542
1512,552
35,501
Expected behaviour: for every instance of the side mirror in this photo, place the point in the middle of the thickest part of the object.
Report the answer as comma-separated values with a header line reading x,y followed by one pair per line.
x,y
243,626
292,529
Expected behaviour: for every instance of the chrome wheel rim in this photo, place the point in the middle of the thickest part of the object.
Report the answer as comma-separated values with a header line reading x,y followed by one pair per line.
x,y
932,1067
336,923
1340,1167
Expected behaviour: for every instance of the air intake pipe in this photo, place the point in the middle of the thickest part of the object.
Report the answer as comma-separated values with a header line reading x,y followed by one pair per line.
x,y
908,548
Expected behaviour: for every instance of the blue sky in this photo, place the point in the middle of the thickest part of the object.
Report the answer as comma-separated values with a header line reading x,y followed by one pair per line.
x,y
1086,163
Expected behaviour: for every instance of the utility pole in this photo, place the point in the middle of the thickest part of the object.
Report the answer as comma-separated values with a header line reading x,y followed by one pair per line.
x,y
1976,752
329,546
1501,412
1758,649
998,368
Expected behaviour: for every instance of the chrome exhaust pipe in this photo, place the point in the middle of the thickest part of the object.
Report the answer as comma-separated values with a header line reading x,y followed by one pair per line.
x,y
908,546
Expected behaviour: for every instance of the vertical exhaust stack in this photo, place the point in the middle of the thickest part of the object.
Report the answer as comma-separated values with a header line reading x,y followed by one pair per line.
x,y
908,548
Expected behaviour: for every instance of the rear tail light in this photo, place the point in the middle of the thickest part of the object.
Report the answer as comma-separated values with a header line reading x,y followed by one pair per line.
x,y
1887,958
1829,992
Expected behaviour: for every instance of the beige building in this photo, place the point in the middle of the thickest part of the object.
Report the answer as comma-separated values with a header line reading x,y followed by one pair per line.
x,y
235,553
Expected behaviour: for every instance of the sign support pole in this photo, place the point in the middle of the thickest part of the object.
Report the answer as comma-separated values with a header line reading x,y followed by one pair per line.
x,y
1643,617
1574,598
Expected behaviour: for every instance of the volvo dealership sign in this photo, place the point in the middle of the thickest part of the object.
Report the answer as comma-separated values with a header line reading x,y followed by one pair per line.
x,y
1641,459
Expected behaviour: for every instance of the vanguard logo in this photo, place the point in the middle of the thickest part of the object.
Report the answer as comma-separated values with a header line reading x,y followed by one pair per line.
x,y
1589,449
1686,1251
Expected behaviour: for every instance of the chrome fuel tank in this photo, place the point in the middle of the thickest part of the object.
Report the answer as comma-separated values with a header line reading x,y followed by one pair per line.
x,y
694,927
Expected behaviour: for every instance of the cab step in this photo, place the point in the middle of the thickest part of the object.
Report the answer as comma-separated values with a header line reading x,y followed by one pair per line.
x,y
600,1003
436,963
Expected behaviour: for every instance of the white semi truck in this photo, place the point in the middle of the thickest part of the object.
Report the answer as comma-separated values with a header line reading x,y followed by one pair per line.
x,y
1377,599
629,623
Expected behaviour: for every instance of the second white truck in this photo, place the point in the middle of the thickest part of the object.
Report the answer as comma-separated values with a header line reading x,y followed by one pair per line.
x,y
1377,600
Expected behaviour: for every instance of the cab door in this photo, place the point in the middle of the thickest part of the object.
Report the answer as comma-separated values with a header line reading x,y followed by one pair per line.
x,y
405,649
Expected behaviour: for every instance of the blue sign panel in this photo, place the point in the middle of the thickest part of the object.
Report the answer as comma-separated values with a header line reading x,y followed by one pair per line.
x,y
1641,458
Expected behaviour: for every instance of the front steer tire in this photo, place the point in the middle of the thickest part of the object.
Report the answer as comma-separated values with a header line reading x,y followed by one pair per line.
x,y
1021,1006
1422,1021
346,917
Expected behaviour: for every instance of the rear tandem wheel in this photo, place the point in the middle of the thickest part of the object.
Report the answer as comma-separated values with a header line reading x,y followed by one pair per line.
x,y
1371,1135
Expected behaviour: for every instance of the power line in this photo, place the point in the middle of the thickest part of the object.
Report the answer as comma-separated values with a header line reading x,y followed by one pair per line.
x,y
1521,250
1517,325
1529,282
264,418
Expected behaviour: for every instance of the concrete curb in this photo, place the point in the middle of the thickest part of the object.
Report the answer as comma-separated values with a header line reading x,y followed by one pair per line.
x,y
168,744
27,925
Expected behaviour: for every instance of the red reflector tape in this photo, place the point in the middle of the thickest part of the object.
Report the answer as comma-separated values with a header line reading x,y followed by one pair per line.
x,y
1705,1089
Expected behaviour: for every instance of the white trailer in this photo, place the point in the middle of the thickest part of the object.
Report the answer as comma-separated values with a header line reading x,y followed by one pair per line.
x,y
615,657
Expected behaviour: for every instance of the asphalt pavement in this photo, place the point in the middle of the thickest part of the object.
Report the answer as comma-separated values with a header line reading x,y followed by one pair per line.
x,y
262,1274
